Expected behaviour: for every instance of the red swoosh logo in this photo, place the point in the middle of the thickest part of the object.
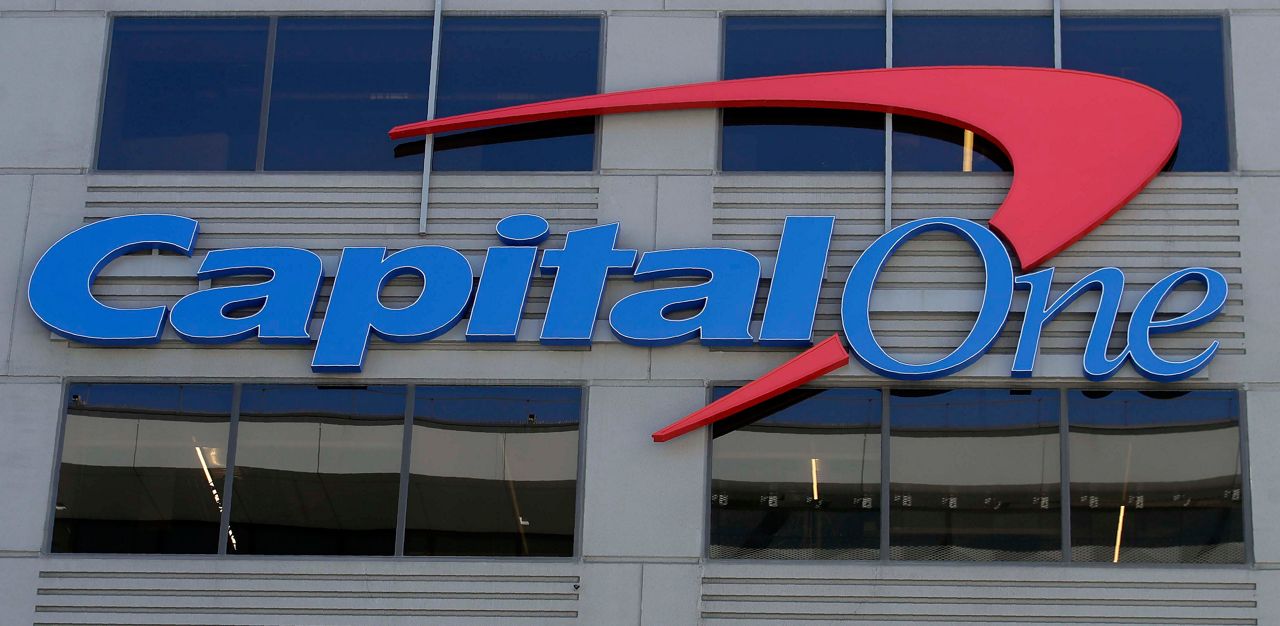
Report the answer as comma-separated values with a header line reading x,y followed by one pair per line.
x,y
1082,145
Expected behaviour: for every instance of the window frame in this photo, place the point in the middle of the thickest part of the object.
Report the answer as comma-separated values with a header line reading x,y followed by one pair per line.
x,y
1064,468
226,489
265,107
889,170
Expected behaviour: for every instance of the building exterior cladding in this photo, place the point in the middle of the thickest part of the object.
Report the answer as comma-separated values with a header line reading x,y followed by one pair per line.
x,y
641,545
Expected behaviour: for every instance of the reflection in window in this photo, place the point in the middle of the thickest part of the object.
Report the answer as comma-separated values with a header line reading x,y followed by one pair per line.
x,y
925,146
798,139
142,469
799,478
494,471
974,475
1155,477
339,84
1181,56
491,62
317,470
183,94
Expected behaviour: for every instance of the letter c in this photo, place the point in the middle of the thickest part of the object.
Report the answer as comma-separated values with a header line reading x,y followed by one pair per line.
x,y
60,292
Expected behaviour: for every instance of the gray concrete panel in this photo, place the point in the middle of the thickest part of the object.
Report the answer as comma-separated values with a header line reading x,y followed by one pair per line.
x,y
49,100
15,198
1261,408
670,594
29,421
642,499
1254,62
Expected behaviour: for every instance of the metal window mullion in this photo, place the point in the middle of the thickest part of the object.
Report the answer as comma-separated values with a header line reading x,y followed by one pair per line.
x,y
1057,34
1064,474
888,121
885,495
406,450
428,146
224,524
264,109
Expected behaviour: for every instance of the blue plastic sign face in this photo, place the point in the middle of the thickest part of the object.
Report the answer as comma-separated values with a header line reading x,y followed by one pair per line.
x,y
721,299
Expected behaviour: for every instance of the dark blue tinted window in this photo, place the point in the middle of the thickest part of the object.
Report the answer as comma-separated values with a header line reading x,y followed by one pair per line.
x,y
1155,476
921,145
183,94
337,87
317,470
1181,56
142,469
488,63
798,477
974,475
801,140
493,471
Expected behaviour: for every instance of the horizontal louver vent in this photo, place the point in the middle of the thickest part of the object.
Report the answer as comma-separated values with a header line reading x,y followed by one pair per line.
x,y
1014,601
209,592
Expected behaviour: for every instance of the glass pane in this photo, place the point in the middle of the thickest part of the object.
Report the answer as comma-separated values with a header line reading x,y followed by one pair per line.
x,y
338,86
142,469
1181,56
1155,477
974,475
494,471
183,94
798,478
317,470
491,62
924,146
794,139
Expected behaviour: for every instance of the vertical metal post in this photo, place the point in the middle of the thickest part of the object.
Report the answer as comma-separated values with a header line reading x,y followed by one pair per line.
x,y
264,108
1064,474
1057,34
406,452
233,432
886,497
429,140
888,121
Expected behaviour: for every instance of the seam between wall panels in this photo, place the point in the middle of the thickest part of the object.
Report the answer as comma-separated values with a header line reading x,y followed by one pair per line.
x,y
17,286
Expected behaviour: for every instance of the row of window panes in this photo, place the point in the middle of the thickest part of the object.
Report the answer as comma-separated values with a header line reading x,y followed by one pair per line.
x,y
1181,56
320,93
975,475
200,94
317,470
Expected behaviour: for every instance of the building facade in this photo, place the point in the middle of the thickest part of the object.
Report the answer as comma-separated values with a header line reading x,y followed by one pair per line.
x,y
452,479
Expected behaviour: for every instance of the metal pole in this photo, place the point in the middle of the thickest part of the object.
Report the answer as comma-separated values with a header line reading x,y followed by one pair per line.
x,y
1057,34
429,140
888,121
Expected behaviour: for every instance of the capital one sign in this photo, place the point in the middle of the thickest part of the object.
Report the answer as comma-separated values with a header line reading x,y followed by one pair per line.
x,y
1082,146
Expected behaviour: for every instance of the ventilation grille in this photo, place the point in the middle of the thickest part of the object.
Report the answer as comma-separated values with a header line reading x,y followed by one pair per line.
x,y
329,592
1109,598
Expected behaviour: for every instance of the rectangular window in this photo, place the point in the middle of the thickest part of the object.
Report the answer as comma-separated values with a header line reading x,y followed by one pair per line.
x,y
800,139
923,146
188,94
1155,477
317,470
494,471
1184,57
142,468
337,86
974,475
183,94
799,478
492,62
